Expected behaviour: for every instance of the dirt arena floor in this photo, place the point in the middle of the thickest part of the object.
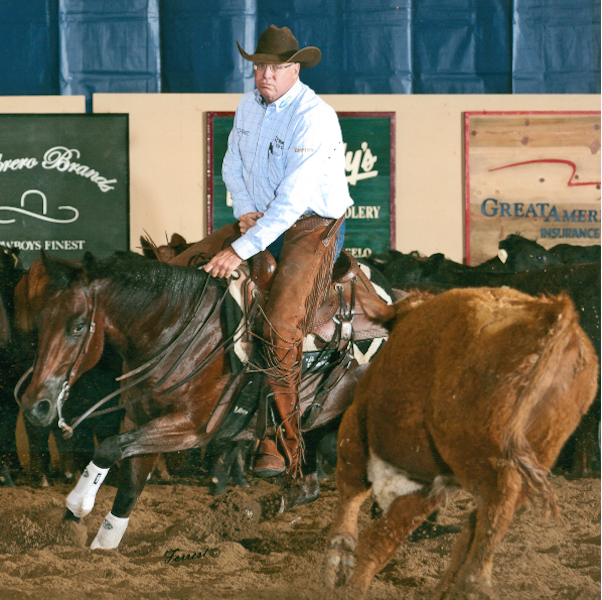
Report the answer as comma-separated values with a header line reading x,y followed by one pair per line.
x,y
183,544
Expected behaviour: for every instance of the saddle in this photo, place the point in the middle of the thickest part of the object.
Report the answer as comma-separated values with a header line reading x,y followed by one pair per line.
x,y
339,326
337,311
339,316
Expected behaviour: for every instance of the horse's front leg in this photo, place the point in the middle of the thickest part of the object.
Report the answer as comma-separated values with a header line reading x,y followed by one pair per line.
x,y
170,433
80,501
134,475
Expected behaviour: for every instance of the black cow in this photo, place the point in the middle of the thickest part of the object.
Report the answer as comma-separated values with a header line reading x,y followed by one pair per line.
x,y
16,353
525,255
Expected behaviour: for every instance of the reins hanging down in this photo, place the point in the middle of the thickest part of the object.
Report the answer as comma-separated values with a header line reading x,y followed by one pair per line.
x,y
159,359
150,366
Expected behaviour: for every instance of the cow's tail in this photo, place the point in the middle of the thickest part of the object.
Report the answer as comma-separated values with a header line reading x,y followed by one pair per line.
x,y
561,317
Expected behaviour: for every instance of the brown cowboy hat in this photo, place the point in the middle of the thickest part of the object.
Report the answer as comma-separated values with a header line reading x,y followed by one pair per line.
x,y
281,46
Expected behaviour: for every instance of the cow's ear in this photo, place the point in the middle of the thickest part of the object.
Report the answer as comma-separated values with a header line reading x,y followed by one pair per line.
x,y
433,264
375,309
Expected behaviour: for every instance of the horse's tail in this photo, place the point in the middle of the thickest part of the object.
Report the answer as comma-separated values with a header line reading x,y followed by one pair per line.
x,y
561,342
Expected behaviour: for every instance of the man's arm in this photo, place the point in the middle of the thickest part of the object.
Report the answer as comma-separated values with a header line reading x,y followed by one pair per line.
x,y
223,263
232,174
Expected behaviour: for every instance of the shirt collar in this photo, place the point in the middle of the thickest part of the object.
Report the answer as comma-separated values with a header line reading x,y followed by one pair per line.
x,y
284,100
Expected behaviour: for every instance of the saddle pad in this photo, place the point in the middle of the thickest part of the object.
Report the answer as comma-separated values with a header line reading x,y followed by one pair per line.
x,y
363,350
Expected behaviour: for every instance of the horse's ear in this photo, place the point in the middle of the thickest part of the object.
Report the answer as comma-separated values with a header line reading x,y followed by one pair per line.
x,y
89,261
177,240
147,247
89,264
61,272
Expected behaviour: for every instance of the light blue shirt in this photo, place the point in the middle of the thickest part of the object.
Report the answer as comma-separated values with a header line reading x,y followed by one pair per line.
x,y
284,159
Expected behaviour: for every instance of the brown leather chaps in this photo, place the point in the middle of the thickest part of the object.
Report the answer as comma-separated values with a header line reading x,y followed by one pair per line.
x,y
300,285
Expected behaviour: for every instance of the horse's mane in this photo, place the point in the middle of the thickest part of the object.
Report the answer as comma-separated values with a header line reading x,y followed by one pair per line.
x,y
139,284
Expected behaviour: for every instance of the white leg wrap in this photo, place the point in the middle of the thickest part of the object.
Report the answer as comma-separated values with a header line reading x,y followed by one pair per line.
x,y
110,533
81,499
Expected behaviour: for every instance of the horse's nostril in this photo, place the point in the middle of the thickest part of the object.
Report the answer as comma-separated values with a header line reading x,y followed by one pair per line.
x,y
42,409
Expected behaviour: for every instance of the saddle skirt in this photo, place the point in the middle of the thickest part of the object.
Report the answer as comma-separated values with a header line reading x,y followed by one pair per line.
x,y
339,311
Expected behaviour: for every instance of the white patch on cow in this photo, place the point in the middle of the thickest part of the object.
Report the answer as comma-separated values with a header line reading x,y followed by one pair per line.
x,y
388,482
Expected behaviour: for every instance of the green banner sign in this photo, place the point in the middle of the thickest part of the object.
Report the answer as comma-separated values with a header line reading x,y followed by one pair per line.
x,y
64,184
369,163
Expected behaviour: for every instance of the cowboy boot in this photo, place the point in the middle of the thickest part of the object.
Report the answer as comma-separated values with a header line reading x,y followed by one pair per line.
x,y
268,461
274,457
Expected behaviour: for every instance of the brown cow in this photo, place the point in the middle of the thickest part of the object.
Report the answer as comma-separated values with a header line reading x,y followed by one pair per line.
x,y
478,388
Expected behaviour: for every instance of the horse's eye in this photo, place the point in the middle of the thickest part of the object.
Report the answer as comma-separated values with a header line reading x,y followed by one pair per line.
x,y
79,328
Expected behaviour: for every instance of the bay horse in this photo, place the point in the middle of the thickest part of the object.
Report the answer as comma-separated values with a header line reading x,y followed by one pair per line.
x,y
165,322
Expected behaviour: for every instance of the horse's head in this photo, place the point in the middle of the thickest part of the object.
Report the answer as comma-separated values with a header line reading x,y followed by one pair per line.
x,y
62,297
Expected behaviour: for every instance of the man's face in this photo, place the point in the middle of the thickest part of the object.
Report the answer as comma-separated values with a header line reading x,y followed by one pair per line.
x,y
273,81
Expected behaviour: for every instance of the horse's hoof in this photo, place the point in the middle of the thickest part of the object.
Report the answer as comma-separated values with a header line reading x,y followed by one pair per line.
x,y
298,492
217,487
5,477
69,516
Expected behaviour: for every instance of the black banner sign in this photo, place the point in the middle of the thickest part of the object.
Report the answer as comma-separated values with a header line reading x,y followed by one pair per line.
x,y
64,184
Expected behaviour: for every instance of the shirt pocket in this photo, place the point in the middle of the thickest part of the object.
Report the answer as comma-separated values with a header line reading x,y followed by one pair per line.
x,y
276,167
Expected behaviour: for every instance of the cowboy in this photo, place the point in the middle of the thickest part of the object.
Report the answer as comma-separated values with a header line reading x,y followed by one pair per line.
x,y
285,170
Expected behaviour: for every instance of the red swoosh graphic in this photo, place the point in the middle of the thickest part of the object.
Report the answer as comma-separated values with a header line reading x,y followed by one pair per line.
x,y
570,183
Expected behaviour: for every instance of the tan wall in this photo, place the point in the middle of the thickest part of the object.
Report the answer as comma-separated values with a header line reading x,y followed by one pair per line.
x,y
168,158
42,104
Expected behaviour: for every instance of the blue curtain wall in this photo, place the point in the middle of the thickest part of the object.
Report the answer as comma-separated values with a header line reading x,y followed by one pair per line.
x,y
368,46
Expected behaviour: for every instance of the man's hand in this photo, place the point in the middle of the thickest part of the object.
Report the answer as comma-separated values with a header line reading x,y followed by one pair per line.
x,y
223,263
248,220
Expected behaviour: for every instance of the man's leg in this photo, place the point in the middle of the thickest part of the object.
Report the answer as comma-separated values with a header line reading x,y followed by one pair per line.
x,y
302,278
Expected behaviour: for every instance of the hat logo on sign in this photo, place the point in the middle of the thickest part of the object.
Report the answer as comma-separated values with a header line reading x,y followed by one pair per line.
x,y
42,216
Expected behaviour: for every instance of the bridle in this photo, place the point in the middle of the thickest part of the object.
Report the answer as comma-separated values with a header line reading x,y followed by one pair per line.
x,y
149,367
72,372
83,350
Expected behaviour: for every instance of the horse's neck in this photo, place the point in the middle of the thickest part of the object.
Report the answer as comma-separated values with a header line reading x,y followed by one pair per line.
x,y
141,337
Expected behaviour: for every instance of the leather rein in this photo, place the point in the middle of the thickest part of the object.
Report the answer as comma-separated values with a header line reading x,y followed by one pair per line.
x,y
150,366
